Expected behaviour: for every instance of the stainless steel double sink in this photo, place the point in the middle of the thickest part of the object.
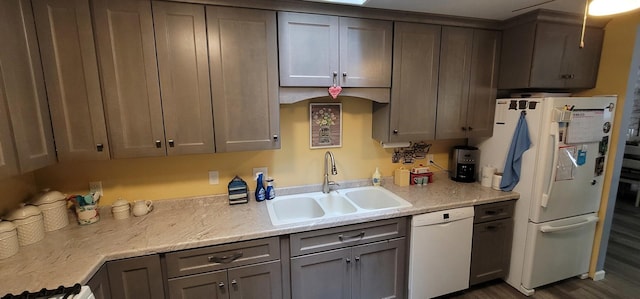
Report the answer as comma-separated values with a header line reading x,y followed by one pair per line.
x,y
319,206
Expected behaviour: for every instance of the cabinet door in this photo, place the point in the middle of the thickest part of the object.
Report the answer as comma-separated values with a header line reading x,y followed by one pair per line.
x,y
8,159
308,49
136,278
380,270
414,95
550,53
583,63
453,86
256,281
244,78
23,86
483,83
70,67
207,285
322,275
181,41
129,73
365,52
99,284
491,250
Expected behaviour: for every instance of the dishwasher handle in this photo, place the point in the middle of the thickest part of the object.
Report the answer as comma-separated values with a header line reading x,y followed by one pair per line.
x,y
553,229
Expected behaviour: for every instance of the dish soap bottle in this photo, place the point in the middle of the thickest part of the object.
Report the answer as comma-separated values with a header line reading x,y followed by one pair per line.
x,y
261,193
271,193
376,178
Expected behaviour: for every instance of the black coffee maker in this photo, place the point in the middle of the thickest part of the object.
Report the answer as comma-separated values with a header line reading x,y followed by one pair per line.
x,y
463,163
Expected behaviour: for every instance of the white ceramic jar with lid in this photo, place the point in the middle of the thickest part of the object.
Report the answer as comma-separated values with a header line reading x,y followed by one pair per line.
x,y
53,205
120,209
8,239
29,223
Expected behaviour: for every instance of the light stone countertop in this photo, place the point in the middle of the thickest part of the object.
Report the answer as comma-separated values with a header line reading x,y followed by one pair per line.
x,y
74,253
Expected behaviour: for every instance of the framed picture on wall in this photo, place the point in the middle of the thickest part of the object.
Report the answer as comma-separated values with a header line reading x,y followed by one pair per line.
x,y
325,125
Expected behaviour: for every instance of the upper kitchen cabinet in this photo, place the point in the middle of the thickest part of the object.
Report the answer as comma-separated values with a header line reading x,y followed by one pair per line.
x,y
181,42
411,114
467,82
321,50
22,87
8,159
65,34
547,55
244,78
131,93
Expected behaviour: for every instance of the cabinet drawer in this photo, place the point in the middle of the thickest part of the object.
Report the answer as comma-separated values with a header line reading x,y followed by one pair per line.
x,y
222,256
344,236
493,211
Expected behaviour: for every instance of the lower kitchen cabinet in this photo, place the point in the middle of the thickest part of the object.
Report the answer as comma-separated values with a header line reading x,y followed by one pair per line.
x,y
247,269
370,270
254,281
492,237
136,278
99,284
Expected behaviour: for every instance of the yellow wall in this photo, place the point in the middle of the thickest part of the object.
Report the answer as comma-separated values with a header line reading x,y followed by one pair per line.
x,y
14,190
185,176
613,74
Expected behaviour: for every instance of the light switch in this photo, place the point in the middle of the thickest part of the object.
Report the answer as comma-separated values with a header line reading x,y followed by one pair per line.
x,y
213,177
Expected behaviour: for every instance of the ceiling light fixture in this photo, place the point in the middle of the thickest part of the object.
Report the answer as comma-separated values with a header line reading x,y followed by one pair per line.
x,y
610,7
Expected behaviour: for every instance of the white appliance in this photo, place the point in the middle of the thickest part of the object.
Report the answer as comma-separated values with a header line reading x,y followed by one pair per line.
x,y
560,185
440,255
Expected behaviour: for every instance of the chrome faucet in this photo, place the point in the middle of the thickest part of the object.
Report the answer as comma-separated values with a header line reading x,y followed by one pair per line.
x,y
325,185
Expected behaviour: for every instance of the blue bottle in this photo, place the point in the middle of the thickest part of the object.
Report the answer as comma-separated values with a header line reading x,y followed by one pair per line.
x,y
261,193
271,193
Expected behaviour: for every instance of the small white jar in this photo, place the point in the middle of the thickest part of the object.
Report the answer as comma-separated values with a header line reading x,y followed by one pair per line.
x,y
8,240
121,209
53,205
29,224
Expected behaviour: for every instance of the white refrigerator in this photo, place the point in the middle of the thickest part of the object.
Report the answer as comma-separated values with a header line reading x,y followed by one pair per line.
x,y
560,187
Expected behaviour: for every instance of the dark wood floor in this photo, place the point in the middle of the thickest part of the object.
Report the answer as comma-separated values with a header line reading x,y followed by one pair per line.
x,y
622,266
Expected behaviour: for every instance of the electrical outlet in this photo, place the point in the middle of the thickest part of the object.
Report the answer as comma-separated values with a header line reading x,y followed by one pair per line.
x,y
264,171
429,158
96,187
214,177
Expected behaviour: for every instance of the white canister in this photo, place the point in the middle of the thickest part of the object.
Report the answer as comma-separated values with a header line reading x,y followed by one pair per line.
x,y
120,209
8,240
29,224
497,178
487,176
53,205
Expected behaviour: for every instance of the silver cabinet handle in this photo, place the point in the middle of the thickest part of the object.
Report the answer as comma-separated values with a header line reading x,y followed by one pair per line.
x,y
344,74
345,238
470,128
158,144
275,137
395,132
234,282
99,147
348,260
221,284
357,259
464,128
225,259
171,143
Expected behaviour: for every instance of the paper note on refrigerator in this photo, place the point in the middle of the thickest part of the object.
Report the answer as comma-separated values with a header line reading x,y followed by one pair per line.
x,y
566,163
586,126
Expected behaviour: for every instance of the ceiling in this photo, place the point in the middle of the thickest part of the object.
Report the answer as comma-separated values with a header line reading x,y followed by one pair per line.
x,y
483,9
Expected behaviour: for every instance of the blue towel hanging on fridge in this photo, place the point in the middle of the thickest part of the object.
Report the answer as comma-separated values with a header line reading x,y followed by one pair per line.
x,y
519,144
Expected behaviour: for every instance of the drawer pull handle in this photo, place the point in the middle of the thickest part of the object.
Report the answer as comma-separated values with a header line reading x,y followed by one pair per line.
x,y
491,227
490,212
225,259
346,238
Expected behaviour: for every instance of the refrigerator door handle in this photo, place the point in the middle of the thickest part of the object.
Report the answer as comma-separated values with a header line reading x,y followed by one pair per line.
x,y
554,165
551,229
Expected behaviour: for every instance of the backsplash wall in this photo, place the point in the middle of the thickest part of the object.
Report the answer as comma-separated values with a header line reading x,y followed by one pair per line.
x,y
293,164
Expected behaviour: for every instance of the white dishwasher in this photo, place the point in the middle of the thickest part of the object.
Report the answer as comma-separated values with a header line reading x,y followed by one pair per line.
x,y
440,256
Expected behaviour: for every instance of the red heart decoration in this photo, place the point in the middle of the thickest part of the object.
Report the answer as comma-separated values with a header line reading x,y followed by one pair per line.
x,y
334,91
